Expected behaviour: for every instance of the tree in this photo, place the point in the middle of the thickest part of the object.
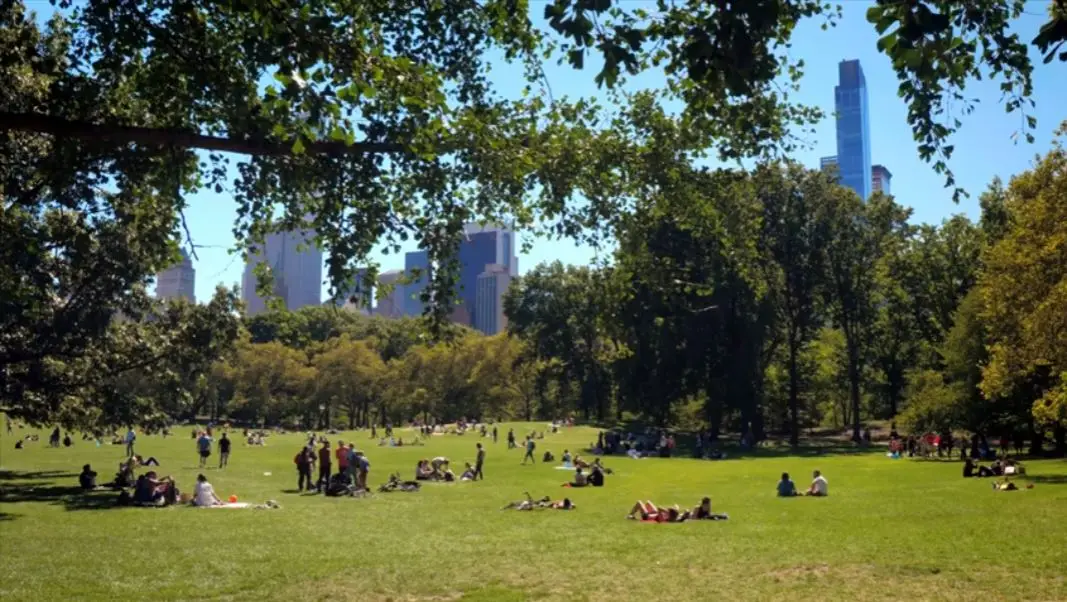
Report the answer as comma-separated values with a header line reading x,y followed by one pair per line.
x,y
859,234
272,383
558,311
796,232
1024,288
349,374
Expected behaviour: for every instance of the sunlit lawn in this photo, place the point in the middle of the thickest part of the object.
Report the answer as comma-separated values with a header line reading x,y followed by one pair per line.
x,y
890,530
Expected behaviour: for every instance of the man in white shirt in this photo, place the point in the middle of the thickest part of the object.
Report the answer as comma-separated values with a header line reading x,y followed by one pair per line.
x,y
819,486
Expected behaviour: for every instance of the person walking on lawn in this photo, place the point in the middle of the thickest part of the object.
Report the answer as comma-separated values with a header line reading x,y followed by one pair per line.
x,y
479,460
530,447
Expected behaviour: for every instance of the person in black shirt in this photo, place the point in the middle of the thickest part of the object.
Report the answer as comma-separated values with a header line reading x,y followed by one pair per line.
x,y
478,463
87,478
224,451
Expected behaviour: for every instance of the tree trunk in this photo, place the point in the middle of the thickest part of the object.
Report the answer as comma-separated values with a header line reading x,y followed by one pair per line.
x,y
854,390
794,394
1060,433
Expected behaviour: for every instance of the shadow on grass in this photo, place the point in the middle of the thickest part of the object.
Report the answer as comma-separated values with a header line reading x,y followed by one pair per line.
x,y
1049,479
21,487
5,516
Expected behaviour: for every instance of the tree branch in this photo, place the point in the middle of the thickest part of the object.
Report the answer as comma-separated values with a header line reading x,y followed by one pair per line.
x,y
167,138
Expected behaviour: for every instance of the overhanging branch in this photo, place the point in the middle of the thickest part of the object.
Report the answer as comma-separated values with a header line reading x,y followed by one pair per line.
x,y
166,138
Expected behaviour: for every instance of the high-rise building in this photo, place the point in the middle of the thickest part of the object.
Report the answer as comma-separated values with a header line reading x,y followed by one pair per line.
x,y
296,264
177,281
412,301
391,305
880,179
853,128
483,246
828,163
360,295
492,284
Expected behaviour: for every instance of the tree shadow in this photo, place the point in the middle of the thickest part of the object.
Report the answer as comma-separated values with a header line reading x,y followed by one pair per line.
x,y
31,487
1048,479
5,516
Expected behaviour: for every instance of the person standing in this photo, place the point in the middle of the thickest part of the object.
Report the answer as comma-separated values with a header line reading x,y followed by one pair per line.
x,y
511,438
324,465
203,444
479,460
131,437
342,457
363,470
224,451
494,433
303,461
530,447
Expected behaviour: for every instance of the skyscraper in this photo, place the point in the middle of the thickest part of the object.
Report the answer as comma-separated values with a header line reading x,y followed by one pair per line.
x,y
297,268
177,281
828,163
412,300
481,247
853,128
880,179
492,284
392,304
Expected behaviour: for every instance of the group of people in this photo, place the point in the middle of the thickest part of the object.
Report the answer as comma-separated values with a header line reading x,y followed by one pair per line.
x,y
353,466
818,488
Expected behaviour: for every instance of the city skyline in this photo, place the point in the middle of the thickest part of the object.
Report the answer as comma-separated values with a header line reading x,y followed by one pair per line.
x,y
211,215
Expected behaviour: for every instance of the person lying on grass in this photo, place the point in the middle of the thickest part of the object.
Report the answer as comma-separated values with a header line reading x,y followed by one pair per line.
x,y
786,488
526,504
648,512
395,484
204,493
819,487
703,511
544,503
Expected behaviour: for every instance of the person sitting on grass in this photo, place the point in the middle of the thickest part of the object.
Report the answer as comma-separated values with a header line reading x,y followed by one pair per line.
x,y
548,457
819,487
153,491
596,476
468,473
204,493
423,472
786,488
566,458
580,463
438,463
87,478
580,480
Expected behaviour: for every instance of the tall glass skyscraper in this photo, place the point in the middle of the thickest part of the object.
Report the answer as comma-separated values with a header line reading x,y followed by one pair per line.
x,y
297,265
853,128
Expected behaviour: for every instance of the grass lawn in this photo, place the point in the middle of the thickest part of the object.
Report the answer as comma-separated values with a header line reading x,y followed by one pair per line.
x,y
890,530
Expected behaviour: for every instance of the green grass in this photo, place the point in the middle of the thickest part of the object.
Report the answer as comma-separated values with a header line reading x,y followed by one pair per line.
x,y
890,530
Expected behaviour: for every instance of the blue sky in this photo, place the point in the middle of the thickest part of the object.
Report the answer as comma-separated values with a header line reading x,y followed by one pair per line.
x,y
984,147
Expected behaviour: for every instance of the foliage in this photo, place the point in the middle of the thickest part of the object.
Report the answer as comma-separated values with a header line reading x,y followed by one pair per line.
x,y
1024,284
